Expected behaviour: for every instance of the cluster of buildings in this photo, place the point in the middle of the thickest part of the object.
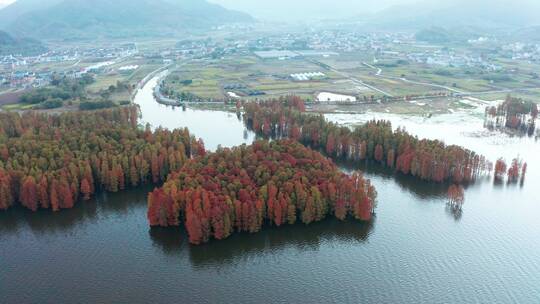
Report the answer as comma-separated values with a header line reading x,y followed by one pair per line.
x,y
352,41
34,79
446,58
12,61
72,54
202,48
286,45
340,41
18,72
24,80
522,51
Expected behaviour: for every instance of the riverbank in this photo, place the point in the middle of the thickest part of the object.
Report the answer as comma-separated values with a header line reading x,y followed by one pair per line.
x,y
162,99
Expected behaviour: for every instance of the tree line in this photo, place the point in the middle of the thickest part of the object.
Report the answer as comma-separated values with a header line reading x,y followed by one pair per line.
x,y
53,161
243,188
429,160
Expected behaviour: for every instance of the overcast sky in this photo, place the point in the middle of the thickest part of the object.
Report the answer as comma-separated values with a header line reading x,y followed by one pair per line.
x,y
267,9
263,5
5,2
298,10
320,8
270,9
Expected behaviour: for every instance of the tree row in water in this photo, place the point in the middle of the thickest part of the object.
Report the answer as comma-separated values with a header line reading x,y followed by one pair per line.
x,y
514,113
515,172
53,161
243,188
430,160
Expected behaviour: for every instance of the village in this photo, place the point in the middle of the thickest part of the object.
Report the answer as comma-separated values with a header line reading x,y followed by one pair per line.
x,y
322,65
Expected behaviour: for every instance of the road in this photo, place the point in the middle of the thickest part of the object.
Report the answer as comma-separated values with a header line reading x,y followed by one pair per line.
x,y
459,93
379,70
351,78
379,74
76,63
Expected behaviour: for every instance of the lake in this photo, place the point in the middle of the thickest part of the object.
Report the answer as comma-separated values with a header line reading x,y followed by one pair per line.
x,y
415,250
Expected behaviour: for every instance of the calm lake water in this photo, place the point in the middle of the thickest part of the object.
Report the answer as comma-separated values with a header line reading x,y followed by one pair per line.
x,y
414,251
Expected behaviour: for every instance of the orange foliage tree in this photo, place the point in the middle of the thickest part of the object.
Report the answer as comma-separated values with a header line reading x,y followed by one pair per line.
x,y
52,161
243,188
429,160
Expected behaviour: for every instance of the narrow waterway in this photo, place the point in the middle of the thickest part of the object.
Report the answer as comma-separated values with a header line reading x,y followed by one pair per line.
x,y
414,251
214,127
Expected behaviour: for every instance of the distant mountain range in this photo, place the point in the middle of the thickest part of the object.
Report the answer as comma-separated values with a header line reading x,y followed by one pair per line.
x,y
16,46
526,34
13,11
74,19
484,14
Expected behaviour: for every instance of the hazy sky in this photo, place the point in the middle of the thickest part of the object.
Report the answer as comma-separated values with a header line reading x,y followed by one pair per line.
x,y
298,10
262,6
315,8
358,5
5,2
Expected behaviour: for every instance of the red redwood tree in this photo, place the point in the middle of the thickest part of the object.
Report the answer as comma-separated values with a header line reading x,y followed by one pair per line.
x,y
73,155
29,193
246,187
456,196
86,190
429,160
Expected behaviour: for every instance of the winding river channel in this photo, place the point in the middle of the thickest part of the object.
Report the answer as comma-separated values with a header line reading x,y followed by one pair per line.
x,y
414,251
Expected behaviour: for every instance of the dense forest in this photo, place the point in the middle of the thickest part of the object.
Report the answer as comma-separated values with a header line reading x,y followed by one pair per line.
x,y
244,188
53,161
429,160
